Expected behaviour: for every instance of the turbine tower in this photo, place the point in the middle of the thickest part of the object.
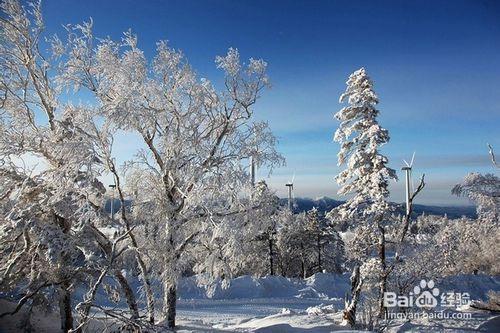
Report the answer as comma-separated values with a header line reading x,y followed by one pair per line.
x,y
290,191
407,170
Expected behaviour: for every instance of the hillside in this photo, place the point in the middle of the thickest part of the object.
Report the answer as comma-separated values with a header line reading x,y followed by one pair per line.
x,y
325,204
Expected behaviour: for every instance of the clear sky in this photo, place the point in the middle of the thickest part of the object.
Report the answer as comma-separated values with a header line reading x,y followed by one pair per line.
x,y
435,64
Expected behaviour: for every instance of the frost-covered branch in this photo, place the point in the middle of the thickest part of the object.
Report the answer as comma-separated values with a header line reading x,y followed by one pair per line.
x,y
84,307
492,155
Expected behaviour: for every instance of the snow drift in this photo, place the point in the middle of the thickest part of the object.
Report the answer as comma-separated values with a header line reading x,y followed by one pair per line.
x,y
319,285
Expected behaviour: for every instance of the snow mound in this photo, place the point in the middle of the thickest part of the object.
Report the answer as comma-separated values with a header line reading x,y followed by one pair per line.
x,y
287,311
320,285
476,285
251,287
320,310
189,288
331,285
310,292
278,286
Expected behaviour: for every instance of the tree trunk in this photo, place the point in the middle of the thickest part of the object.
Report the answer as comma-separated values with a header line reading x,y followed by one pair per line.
x,y
271,265
383,266
170,304
149,293
320,268
129,294
281,266
302,261
147,288
65,309
349,314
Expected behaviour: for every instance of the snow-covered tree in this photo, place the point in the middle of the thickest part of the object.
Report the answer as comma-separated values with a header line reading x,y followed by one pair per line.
x,y
325,247
306,244
241,241
477,238
292,244
261,229
367,175
316,234
194,137
484,191
189,172
50,196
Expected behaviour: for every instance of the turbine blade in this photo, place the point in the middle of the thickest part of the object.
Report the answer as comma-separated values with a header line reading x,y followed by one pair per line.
x,y
412,159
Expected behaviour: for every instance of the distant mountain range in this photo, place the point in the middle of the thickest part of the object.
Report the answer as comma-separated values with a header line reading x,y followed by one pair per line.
x,y
325,204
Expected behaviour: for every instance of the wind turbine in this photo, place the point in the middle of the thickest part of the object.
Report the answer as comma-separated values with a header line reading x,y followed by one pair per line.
x,y
252,170
290,191
407,170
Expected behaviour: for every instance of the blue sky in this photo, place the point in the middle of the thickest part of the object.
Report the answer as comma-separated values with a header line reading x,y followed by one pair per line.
x,y
435,64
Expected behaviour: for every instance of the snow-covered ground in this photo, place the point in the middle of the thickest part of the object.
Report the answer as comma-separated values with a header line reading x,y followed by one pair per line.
x,y
276,304
281,305
250,303
272,314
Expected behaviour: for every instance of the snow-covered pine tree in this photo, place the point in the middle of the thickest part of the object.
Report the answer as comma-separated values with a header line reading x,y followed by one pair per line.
x,y
261,227
292,244
316,240
366,176
360,136
325,247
